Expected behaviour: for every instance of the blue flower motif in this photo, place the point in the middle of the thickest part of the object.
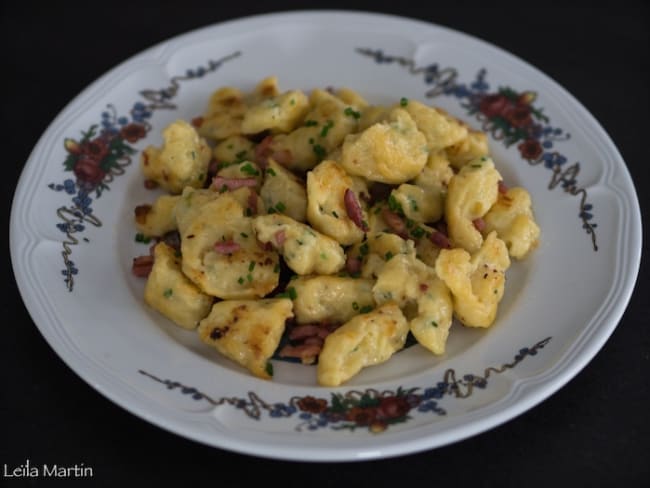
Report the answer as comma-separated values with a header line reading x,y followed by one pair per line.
x,y
69,186
305,416
122,121
429,406
552,159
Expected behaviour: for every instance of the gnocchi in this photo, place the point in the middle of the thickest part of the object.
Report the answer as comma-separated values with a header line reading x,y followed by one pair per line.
x,y
320,227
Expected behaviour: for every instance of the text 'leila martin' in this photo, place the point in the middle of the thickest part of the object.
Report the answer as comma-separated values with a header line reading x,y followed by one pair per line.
x,y
28,470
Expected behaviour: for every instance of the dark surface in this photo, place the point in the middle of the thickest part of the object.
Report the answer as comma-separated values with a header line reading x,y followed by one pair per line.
x,y
593,432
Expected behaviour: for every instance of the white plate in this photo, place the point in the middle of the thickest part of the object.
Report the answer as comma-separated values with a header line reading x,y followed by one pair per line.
x,y
72,241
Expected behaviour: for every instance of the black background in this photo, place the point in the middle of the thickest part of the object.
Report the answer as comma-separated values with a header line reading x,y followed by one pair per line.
x,y
593,432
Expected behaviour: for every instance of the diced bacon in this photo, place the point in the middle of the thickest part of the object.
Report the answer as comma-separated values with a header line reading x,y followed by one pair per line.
x,y
197,122
395,222
314,341
303,331
213,167
279,237
263,151
479,224
440,240
307,353
219,182
353,208
353,264
141,212
503,188
424,287
226,247
283,157
142,266
150,184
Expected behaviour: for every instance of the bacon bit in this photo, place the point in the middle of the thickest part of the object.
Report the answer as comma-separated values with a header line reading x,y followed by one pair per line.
x,y
145,159
279,237
263,151
314,341
395,222
424,287
252,202
150,184
226,247
197,122
284,157
307,353
353,264
141,212
218,182
213,167
440,240
353,209
479,224
503,188
142,266
308,330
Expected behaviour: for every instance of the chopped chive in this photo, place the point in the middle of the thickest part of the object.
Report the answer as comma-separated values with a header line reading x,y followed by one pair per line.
x,y
310,123
350,112
335,214
404,101
326,128
243,234
168,292
281,207
434,323
418,232
240,280
319,151
193,155
355,306
394,205
363,249
389,255
269,369
249,277
365,309
241,155
249,170
323,255
269,171
251,266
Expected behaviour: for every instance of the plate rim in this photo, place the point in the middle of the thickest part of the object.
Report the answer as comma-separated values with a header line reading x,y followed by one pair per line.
x,y
595,341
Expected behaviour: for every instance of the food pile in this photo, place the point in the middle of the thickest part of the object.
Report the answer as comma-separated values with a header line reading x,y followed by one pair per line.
x,y
320,227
